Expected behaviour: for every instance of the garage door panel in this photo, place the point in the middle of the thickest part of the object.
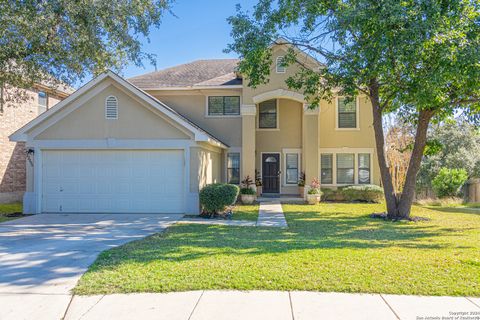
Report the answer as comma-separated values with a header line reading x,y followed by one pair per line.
x,y
113,181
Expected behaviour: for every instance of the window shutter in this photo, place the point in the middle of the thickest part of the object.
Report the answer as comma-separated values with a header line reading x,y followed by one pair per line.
x,y
111,108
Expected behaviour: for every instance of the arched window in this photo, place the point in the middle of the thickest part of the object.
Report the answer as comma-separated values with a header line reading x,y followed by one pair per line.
x,y
281,68
111,108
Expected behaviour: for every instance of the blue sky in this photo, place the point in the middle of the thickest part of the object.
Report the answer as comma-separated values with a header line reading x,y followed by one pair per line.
x,y
200,31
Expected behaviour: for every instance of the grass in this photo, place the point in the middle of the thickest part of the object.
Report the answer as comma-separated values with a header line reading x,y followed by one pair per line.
x,y
9,208
244,212
329,247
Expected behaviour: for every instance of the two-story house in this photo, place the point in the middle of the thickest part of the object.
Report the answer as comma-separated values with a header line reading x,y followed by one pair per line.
x,y
150,143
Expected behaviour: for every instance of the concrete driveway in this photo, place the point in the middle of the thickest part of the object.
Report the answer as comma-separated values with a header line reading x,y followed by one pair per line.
x,y
43,256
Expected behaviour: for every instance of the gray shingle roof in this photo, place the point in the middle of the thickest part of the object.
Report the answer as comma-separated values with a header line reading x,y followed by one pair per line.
x,y
215,72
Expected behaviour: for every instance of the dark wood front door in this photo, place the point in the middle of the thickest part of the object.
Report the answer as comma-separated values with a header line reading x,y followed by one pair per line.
x,y
271,172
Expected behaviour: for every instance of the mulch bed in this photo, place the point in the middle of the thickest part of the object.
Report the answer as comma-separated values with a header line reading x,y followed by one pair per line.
x,y
384,216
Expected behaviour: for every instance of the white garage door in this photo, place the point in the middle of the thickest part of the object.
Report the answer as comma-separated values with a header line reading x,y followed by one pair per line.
x,y
115,181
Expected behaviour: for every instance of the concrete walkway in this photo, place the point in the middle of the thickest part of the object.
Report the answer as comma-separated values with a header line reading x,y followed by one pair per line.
x,y
266,305
271,215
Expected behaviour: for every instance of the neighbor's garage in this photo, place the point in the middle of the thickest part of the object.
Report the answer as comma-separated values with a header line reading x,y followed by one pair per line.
x,y
113,181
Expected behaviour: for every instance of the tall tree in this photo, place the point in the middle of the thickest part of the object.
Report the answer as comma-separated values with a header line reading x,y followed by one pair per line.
x,y
416,57
457,146
63,40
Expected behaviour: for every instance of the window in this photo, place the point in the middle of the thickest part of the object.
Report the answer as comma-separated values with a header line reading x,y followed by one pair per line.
x,y
345,168
233,168
223,106
326,176
280,65
111,108
363,168
347,114
42,102
267,115
291,162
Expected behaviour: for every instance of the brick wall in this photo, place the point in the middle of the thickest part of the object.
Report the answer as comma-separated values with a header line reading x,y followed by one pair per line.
x,y
12,154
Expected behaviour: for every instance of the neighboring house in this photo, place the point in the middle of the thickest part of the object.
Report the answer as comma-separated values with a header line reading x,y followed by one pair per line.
x,y
13,115
151,143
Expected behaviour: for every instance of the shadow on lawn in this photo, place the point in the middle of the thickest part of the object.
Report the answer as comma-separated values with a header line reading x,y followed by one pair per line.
x,y
456,210
311,230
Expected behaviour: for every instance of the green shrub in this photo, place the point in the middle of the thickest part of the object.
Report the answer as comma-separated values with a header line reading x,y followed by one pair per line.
x,y
215,197
249,191
448,182
329,194
366,193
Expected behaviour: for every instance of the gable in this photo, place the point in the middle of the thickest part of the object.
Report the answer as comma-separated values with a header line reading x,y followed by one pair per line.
x,y
136,126
276,80
135,121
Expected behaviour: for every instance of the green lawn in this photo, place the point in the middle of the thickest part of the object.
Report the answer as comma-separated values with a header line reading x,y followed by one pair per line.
x,y
242,212
9,208
329,247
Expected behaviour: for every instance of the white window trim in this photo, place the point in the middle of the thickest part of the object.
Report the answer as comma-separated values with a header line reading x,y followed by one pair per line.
x,y
232,150
116,115
284,168
357,109
280,166
277,105
277,65
355,151
226,115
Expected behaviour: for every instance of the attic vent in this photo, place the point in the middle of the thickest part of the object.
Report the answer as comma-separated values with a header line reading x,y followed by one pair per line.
x,y
280,65
111,108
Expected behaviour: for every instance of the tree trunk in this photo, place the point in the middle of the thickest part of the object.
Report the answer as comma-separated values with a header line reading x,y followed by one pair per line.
x,y
408,193
390,196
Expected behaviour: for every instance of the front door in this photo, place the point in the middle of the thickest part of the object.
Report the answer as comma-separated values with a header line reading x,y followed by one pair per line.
x,y
271,172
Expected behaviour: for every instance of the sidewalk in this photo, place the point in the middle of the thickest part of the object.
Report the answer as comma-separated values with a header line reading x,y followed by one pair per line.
x,y
266,305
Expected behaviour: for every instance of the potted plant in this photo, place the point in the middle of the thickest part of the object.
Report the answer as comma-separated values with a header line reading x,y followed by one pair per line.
x,y
258,183
314,193
301,184
247,193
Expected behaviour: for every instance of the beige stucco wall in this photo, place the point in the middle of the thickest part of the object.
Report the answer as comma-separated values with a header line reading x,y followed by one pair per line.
x,y
288,136
192,104
276,80
206,167
329,137
135,121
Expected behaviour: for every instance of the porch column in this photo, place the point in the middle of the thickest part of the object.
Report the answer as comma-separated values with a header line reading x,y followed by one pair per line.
x,y
248,141
310,133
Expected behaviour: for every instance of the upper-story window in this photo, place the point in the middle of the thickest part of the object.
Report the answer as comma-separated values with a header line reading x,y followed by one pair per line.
x,y
280,65
42,102
268,114
347,114
111,108
223,106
